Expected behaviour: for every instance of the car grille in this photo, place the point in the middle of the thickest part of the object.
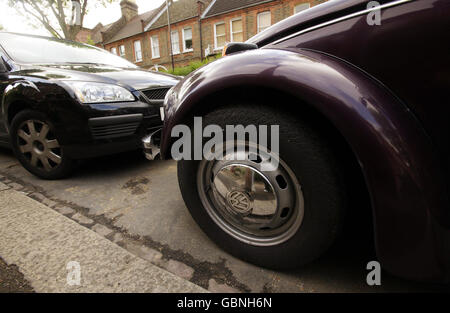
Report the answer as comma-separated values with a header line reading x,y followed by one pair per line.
x,y
155,93
114,131
115,126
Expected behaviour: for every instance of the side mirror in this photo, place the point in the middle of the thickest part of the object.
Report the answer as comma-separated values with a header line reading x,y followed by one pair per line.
x,y
234,47
3,69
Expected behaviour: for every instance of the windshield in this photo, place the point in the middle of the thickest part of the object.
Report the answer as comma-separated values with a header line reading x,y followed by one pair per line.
x,y
39,50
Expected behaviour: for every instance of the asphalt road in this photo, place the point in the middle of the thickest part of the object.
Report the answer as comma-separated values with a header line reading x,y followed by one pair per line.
x,y
141,202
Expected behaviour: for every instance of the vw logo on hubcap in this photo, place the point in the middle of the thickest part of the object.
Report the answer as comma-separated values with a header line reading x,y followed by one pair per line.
x,y
239,201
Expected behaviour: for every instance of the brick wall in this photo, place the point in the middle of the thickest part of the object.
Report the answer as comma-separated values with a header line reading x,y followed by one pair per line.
x,y
83,35
183,57
129,47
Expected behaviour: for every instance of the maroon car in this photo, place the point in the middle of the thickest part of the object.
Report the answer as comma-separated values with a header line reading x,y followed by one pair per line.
x,y
348,92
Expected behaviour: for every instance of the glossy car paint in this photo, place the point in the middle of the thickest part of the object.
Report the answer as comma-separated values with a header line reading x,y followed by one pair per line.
x,y
42,88
383,88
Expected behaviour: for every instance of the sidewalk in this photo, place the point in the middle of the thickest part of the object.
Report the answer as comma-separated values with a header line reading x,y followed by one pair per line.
x,y
41,242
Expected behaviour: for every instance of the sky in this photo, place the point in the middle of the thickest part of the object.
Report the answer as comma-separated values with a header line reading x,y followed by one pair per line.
x,y
14,22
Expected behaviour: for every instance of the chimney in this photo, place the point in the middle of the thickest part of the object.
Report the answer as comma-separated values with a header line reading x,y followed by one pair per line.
x,y
129,9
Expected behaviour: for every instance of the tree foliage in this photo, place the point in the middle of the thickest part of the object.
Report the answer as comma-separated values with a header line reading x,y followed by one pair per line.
x,y
54,15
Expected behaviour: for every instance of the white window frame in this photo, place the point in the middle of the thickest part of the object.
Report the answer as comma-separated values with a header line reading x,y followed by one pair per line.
x,y
136,59
184,40
178,40
120,51
231,28
114,50
155,55
215,35
305,5
258,17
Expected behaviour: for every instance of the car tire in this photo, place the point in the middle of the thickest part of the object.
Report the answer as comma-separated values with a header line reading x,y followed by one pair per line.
x,y
36,146
313,167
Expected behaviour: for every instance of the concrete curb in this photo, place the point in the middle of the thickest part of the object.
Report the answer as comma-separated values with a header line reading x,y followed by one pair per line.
x,y
42,242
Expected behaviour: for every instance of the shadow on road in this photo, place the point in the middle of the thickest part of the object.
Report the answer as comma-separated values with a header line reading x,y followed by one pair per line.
x,y
117,164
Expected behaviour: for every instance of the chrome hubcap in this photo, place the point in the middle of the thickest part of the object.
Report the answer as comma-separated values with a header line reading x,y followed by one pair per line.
x,y
39,146
257,207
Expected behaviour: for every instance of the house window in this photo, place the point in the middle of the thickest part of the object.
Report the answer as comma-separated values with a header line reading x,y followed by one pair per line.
x,y
137,51
187,40
154,41
264,21
219,35
122,50
301,7
114,50
237,34
175,42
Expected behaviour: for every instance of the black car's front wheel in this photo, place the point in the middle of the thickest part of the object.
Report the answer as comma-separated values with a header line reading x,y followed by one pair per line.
x,y
277,217
36,146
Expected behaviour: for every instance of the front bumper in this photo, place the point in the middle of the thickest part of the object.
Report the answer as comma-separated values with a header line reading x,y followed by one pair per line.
x,y
113,134
96,129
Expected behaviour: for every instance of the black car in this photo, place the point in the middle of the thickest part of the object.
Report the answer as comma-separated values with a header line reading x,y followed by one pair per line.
x,y
63,100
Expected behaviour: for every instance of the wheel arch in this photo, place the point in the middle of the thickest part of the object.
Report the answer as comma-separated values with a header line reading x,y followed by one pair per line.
x,y
397,158
19,96
15,108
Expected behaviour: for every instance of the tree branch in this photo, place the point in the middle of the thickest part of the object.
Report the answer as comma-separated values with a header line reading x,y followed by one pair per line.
x,y
42,18
58,12
83,11
55,22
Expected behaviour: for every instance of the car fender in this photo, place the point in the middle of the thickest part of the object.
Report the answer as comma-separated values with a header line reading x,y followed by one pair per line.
x,y
400,164
19,91
41,95
25,92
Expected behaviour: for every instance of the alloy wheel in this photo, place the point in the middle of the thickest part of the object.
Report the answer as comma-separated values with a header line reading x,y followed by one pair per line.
x,y
39,145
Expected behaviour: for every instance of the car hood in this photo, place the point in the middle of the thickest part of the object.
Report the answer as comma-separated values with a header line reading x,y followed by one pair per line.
x,y
318,14
135,78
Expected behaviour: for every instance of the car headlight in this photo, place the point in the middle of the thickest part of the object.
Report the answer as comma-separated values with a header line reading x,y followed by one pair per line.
x,y
88,92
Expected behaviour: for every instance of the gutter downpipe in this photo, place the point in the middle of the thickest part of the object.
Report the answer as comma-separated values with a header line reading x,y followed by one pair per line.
x,y
201,37
200,27
170,33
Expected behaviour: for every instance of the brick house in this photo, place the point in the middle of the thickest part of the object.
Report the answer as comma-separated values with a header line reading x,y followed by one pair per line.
x,y
126,37
184,33
198,28
238,20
